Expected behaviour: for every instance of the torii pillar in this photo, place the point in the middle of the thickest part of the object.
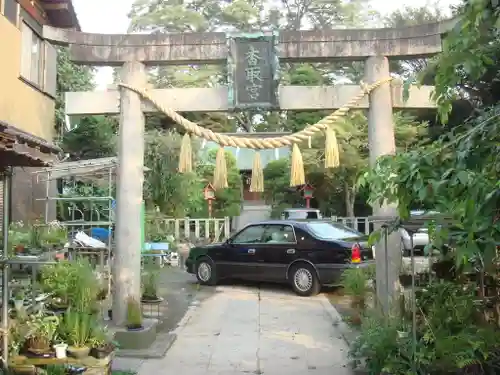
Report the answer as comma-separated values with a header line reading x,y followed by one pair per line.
x,y
127,257
381,140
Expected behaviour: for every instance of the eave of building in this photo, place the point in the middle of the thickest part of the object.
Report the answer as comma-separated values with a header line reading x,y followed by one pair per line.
x,y
21,149
61,14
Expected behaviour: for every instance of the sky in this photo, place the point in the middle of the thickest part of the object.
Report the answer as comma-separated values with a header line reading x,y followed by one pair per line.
x,y
110,17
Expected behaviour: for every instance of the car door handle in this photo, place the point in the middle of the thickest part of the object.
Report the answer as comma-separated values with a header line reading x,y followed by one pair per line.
x,y
290,251
251,251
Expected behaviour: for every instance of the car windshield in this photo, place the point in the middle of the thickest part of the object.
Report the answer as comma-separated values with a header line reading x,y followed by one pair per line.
x,y
330,231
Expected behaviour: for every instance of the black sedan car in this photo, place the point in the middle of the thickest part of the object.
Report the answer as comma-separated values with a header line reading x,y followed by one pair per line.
x,y
306,254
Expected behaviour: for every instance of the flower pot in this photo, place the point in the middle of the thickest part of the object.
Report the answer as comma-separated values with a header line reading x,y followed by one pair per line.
x,y
78,352
102,295
39,352
18,304
151,299
38,346
135,327
402,334
60,350
101,352
405,280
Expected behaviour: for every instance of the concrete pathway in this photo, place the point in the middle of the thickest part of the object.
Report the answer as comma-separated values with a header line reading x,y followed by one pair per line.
x,y
246,330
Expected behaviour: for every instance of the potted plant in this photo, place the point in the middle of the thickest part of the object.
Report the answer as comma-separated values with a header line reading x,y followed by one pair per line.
x,y
355,283
405,276
19,299
150,287
41,331
17,336
71,283
53,235
134,315
58,279
19,238
76,330
100,343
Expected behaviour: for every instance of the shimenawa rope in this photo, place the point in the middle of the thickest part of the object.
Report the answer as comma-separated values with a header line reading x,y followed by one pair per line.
x,y
258,143
297,176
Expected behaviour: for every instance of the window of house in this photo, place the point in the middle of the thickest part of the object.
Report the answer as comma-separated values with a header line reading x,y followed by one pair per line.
x,y
32,59
10,10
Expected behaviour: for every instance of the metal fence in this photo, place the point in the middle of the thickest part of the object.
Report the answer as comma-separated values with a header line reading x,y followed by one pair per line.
x,y
361,224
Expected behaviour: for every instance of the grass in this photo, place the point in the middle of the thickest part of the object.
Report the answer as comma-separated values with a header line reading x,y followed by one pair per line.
x,y
122,372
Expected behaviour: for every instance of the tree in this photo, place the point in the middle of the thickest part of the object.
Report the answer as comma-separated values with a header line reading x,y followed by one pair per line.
x,y
175,194
458,175
239,15
277,190
468,67
227,201
70,77
93,137
412,16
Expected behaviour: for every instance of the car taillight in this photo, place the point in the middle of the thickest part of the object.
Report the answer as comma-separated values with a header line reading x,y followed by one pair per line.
x,y
355,254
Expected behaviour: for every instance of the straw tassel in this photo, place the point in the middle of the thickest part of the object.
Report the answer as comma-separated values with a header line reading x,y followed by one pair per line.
x,y
297,176
186,155
332,158
220,172
257,182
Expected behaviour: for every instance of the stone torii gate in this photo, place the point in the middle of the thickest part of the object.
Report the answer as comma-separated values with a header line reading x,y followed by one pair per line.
x,y
133,52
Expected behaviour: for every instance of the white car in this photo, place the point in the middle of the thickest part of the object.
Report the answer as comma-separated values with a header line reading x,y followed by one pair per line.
x,y
420,238
301,214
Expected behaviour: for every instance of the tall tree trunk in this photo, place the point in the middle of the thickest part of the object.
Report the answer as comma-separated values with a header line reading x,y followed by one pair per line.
x,y
349,198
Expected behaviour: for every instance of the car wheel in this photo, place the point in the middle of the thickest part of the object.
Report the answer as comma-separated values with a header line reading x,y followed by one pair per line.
x,y
304,280
205,271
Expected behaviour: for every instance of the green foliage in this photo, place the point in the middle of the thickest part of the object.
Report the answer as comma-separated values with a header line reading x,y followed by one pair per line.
x,y
377,342
76,328
41,331
468,66
55,370
277,191
149,280
85,210
449,335
73,282
355,282
330,185
134,313
227,201
70,77
155,228
94,137
456,176
175,194
35,236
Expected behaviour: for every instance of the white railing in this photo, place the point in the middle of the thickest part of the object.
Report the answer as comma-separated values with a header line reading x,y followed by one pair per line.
x,y
188,228
217,229
361,224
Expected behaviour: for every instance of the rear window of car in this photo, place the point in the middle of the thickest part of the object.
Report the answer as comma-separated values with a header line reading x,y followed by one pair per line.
x,y
330,231
301,215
